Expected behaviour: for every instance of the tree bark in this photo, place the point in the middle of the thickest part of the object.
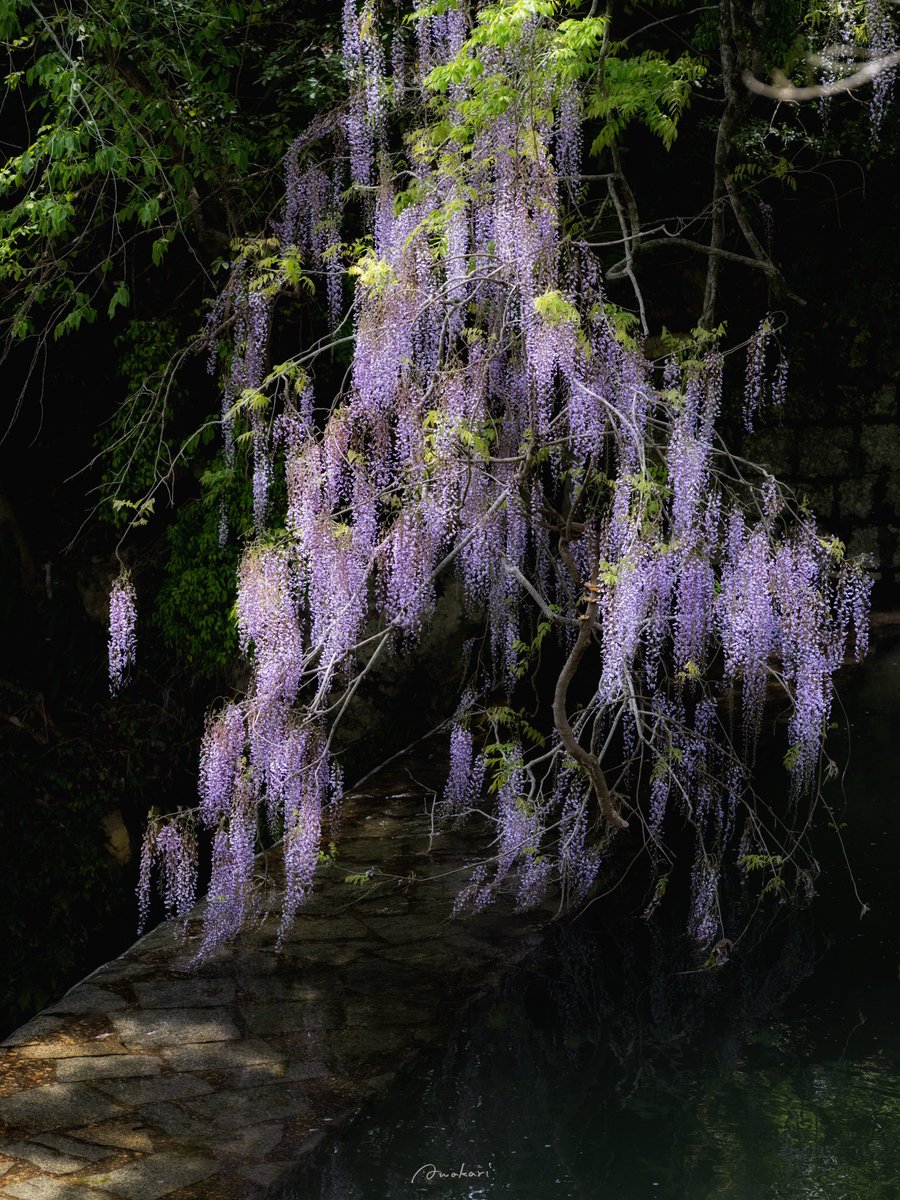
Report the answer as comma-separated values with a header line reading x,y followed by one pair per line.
x,y
567,734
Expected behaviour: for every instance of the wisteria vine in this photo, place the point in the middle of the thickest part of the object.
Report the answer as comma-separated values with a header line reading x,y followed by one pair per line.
x,y
498,426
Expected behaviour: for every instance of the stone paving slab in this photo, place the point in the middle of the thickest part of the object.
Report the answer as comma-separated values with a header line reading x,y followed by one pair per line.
x,y
249,1141
184,993
154,1078
42,1188
219,1056
266,1019
67,1145
104,1066
45,1050
35,1030
88,999
125,1134
232,1110
171,1027
42,1156
54,1106
137,1092
156,1175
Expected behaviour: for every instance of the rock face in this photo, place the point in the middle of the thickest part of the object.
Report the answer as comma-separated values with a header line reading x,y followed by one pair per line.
x,y
841,453
153,1078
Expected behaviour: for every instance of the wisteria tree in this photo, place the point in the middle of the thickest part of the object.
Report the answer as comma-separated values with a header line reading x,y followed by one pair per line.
x,y
504,424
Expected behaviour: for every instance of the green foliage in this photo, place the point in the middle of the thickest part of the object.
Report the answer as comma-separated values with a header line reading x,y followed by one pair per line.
x,y
359,878
623,323
791,756
135,440
193,611
374,274
760,862
271,269
526,651
578,45
141,124
503,758
142,510
555,309
328,856
649,89
476,439
688,350
768,151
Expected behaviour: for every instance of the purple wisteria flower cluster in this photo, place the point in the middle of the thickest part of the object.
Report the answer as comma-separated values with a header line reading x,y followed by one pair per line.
x,y
122,637
499,425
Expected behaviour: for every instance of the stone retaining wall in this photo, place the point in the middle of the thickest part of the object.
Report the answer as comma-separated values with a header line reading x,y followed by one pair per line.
x,y
842,453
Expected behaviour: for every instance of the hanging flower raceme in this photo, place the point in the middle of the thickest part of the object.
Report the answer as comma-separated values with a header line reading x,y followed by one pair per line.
x,y
466,775
301,785
569,136
755,379
747,618
364,59
122,636
268,620
230,897
221,760
579,862
172,844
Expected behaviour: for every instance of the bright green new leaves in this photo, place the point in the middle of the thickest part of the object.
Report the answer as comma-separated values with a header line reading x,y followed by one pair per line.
x,y
555,309
578,46
648,89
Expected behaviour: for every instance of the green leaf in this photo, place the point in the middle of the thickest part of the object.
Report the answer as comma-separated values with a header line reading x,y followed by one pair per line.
x,y
120,299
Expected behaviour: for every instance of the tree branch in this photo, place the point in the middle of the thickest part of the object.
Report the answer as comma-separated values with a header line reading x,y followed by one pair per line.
x,y
564,729
782,89
763,264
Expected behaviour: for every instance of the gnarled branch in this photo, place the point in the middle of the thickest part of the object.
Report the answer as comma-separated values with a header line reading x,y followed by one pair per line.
x,y
565,730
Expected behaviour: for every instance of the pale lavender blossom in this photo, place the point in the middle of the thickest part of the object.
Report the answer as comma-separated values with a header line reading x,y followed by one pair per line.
x,y
122,636
229,897
173,846
779,383
458,789
221,753
755,377
569,136
704,921
267,620
176,848
579,862
882,41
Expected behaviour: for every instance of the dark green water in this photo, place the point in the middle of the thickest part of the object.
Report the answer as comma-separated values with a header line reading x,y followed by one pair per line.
x,y
611,1067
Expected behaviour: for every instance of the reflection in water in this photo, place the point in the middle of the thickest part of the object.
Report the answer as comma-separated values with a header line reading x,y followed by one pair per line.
x,y
613,1067
674,1083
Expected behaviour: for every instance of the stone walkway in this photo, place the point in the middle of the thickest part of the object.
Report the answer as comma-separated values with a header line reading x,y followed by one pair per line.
x,y
151,1079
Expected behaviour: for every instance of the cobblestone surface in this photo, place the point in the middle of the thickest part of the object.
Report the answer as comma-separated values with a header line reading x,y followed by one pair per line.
x,y
154,1078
